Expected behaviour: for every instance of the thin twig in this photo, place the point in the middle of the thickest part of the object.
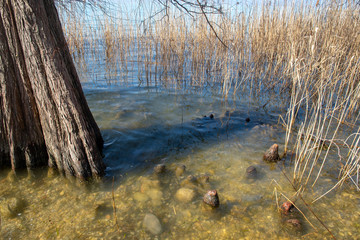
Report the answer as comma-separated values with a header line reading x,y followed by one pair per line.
x,y
211,26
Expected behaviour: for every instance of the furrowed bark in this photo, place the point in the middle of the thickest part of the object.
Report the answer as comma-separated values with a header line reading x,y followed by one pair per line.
x,y
44,114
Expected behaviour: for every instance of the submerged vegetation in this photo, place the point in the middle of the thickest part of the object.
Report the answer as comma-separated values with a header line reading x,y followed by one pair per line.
x,y
303,56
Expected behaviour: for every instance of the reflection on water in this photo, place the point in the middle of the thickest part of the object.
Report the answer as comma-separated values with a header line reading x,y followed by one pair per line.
x,y
143,127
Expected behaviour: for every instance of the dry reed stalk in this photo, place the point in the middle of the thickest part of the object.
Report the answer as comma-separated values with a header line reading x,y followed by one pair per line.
x,y
310,52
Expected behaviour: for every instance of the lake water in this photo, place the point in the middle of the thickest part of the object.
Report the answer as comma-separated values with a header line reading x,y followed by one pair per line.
x,y
146,125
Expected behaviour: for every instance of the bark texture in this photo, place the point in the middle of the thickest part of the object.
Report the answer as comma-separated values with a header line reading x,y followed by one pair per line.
x,y
44,115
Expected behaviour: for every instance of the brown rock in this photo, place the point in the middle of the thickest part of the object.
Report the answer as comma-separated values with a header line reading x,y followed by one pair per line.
x,y
287,207
272,154
211,198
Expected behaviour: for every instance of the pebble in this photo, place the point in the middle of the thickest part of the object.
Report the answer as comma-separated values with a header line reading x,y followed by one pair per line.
x,y
160,168
185,195
203,179
295,223
179,171
251,172
152,224
189,181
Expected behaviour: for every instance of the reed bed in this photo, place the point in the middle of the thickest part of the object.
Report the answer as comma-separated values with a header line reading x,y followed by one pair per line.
x,y
306,53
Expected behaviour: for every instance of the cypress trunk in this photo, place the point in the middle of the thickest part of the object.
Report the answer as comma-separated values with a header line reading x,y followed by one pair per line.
x,y
44,115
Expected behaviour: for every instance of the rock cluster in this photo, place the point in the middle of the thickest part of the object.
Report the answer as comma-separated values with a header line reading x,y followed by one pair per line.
x,y
290,216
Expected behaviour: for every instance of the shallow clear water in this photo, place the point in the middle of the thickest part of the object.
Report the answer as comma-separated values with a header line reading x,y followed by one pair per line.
x,y
145,126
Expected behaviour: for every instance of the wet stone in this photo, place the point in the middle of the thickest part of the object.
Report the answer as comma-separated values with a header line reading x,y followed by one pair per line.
x,y
293,223
152,224
251,172
272,154
203,179
211,198
155,194
160,168
189,181
191,178
179,171
185,195
287,207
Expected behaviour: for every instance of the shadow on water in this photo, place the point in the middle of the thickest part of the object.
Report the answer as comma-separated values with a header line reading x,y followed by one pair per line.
x,y
137,150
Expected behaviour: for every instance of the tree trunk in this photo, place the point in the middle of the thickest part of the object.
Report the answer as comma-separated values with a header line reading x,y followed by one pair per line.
x,y
44,115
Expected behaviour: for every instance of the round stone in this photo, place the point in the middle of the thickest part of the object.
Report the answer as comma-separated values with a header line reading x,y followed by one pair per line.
x,y
152,224
185,195
179,171
251,172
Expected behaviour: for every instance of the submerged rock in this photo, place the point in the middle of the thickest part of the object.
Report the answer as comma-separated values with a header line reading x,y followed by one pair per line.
x,y
152,224
185,195
189,181
155,194
251,172
294,223
203,179
272,154
191,178
211,198
179,171
160,168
